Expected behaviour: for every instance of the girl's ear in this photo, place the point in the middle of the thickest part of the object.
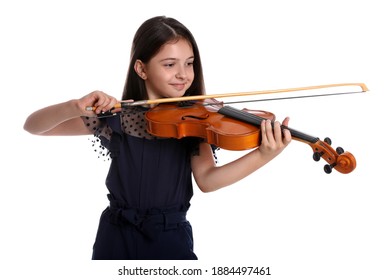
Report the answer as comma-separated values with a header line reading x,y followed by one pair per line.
x,y
140,69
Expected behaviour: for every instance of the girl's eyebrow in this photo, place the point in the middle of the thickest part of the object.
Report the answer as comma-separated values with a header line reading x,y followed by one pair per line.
x,y
169,58
173,58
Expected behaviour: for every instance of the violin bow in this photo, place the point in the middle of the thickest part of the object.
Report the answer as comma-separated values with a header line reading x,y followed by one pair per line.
x,y
125,104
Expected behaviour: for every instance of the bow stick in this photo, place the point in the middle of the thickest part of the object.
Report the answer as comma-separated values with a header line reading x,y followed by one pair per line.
x,y
207,96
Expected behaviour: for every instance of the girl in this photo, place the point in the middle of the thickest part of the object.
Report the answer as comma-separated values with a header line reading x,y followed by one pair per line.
x,y
150,178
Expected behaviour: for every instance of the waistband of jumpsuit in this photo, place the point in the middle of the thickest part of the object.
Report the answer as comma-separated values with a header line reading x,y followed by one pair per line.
x,y
148,221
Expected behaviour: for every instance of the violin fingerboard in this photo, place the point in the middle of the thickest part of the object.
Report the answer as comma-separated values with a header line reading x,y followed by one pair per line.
x,y
256,120
241,115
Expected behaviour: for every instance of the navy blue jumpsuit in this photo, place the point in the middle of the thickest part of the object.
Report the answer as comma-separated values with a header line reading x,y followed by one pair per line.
x,y
150,187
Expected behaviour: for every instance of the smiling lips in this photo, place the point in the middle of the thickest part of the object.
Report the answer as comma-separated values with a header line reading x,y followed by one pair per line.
x,y
178,86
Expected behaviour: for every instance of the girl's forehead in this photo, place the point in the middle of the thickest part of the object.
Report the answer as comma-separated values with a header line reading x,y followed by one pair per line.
x,y
180,46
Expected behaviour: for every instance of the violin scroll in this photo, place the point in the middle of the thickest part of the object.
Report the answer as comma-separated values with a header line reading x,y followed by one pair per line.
x,y
343,162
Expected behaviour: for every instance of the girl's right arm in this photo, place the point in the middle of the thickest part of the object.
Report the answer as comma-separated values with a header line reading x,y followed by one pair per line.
x,y
65,118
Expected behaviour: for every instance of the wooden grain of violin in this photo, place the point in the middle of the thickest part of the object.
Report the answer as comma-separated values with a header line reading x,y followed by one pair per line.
x,y
233,129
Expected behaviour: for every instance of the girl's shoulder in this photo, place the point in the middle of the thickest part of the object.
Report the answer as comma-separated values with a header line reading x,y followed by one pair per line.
x,y
130,121
133,122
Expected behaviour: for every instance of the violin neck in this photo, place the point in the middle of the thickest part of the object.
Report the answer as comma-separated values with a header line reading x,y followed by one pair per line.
x,y
256,120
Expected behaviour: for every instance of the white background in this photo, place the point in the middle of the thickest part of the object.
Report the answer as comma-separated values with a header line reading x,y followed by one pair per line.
x,y
289,215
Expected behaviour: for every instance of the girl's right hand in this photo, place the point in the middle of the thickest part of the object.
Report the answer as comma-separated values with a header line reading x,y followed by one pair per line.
x,y
98,99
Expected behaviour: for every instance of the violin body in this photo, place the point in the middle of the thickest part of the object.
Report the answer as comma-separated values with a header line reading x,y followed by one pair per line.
x,y
234,129
169,120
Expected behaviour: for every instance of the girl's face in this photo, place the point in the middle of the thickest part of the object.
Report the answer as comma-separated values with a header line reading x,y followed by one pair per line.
x,y
170,72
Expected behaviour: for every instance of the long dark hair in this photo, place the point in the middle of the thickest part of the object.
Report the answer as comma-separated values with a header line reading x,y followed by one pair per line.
x,y
148,40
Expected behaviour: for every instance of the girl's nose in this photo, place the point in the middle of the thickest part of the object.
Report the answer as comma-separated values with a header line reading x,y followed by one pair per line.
x,y
181,73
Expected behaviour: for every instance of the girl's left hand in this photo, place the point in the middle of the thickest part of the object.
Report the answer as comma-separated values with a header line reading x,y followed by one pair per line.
x,y
274,138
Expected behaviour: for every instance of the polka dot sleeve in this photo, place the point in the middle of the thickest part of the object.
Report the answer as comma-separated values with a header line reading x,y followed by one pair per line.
x,y
97,126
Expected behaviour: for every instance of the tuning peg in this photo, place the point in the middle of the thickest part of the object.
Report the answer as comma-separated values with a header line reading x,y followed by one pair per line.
x,y
317,156
328,140
339,150
328,168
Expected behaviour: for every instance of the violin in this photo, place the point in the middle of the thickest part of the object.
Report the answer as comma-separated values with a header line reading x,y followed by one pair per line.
x,y
234,129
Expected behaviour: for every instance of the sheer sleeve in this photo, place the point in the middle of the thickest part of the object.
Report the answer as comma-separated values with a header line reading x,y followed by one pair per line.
x,y
98,127
101,135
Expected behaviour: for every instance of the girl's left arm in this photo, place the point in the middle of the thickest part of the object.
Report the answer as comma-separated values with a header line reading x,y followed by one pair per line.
x,y
210,177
